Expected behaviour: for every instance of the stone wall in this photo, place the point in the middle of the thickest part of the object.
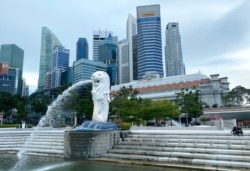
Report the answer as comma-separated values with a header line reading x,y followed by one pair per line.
x,y
88,144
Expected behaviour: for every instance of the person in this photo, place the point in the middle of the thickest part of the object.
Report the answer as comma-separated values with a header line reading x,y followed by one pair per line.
x,y
234,130
237,131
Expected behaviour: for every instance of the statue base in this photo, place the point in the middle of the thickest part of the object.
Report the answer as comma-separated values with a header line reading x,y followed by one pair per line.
x,y
91,125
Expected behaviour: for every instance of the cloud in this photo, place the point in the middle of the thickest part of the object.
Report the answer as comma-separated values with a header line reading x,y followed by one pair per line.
x,y
215,37
215,34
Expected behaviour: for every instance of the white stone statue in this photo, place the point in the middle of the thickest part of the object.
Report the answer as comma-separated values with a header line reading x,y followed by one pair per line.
x,y
100,96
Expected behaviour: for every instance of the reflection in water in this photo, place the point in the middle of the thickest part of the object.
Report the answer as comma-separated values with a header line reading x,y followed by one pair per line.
x,y
39,163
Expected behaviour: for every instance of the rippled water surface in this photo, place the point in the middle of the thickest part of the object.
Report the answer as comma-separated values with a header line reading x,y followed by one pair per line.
x,y
10,162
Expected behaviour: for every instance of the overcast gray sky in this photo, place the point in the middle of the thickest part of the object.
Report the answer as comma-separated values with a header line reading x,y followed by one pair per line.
x,y
215,34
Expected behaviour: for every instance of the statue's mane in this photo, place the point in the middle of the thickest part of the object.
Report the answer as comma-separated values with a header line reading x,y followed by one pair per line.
x,y
103,85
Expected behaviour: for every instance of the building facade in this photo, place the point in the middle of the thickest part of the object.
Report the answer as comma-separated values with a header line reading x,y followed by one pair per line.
x,y
212,89
8,79
82,49
173,51
108,52
123,62
131,31
135,58
14,56
60,64
83,69
99,36
48,41
67,76
149,42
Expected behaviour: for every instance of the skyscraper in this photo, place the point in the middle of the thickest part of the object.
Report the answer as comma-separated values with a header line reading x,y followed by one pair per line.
x,y
108,50
48,41
131,31
8,79
173,51
84,68
99,36
149,40
13,55
123,62
82,49
60,64
135,58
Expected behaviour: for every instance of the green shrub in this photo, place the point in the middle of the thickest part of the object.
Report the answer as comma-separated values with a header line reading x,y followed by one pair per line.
x,y
8,126
125,126
62,125
204,119
29,126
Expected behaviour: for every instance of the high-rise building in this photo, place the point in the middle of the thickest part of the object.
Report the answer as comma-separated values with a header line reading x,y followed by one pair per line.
x,y
67,76
173,51
14,56
123,62
8,78
82,49
48,41
131,31
149,40
108,52
60,64
99,36
84,68
135,58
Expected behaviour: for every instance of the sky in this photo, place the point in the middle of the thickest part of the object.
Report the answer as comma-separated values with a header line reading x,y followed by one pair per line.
x,y
215,34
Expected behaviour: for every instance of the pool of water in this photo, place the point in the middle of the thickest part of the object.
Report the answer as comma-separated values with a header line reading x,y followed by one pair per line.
x,y
10,162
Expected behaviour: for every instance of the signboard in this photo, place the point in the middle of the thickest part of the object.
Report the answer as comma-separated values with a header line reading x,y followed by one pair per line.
x,y
4,68
148,14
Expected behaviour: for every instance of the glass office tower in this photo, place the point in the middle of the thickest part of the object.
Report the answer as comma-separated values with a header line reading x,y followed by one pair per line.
x,y
99,36
108,51
60,64
82,49
14,56
131,31
173,51
149,40
48,41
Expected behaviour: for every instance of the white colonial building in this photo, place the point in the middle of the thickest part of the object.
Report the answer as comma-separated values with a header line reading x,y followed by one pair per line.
x,y
212,88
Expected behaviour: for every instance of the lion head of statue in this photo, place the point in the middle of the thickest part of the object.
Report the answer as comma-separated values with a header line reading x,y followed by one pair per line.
x,y
100,83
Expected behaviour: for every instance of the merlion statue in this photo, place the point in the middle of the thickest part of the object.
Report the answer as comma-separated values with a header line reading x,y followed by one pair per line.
x,y
100,96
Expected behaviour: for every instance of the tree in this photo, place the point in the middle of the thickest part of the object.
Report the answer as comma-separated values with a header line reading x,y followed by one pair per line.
x,y
21,108
84,104
79,101
235,96
130,108
8,102
125,104
189,101
146,109
160,109
40,103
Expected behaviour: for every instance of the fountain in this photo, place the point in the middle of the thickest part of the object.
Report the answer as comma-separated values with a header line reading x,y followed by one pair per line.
x,y
46,119
100,95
